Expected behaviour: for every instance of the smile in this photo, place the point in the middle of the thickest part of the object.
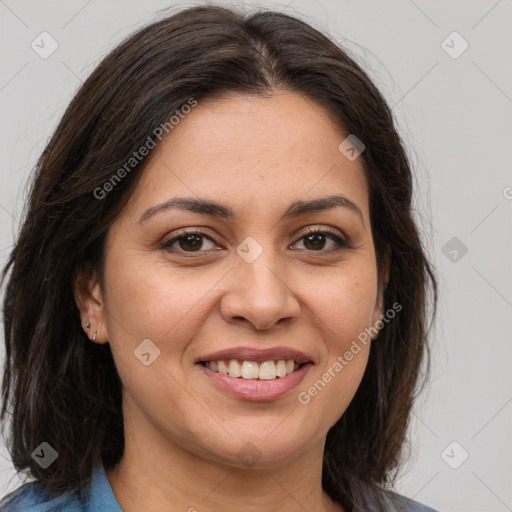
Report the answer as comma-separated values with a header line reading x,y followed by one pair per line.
x,y
268,385
267,370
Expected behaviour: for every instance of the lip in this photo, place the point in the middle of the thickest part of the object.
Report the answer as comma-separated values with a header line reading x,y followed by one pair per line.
x,y
254,389
257,355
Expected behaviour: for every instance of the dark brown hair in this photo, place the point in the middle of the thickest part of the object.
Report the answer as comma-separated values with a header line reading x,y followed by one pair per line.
x,y
60,388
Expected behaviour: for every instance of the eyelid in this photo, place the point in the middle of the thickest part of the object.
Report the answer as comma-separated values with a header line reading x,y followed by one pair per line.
x,y
191,231
167,242
342,240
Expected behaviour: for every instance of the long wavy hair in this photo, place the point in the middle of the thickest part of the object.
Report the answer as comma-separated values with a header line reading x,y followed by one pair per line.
x,y
60,388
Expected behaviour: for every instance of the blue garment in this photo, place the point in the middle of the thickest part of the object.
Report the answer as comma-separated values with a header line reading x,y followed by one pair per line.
x,y
99,497
31,497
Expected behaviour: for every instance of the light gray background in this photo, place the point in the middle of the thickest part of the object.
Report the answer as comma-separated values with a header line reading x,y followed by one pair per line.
x,y
455,115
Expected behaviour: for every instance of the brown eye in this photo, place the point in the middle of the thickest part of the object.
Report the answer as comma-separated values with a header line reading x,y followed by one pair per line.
x,y
190,242
187,242
315,240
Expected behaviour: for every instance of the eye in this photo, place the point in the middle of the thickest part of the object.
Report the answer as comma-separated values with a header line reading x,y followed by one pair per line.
x,y
314,240
188,241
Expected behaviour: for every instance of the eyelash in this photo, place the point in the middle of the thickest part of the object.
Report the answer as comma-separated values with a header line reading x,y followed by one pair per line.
x,y
341,242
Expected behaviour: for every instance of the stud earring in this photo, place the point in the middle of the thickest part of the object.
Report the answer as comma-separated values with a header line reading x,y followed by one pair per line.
x,y
87,325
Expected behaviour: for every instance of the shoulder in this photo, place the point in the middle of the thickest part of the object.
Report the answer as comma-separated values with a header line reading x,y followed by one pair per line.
x,y
399,503
32,497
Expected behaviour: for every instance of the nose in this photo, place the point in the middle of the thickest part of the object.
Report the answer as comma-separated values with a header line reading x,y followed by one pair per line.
x,y
259,293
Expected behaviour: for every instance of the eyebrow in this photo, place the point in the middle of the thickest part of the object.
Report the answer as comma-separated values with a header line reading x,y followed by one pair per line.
x,y
214,209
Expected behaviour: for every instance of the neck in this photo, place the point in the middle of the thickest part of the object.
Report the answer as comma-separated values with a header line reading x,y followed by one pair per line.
x,y
165,476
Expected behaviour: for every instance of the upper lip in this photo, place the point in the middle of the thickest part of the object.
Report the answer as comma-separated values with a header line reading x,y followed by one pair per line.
x,y
257,355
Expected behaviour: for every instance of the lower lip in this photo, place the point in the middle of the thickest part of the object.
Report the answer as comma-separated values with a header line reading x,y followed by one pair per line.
x,y
255,389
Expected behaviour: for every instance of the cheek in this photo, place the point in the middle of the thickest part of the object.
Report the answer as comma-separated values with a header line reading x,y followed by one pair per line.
x,y
142,304
344,313
150,299
344,305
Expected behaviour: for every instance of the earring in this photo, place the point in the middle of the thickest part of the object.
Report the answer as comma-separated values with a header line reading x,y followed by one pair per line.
x,y
87,325
94,339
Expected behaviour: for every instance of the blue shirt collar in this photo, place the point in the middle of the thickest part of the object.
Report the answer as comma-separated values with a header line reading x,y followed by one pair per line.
x,y
101,497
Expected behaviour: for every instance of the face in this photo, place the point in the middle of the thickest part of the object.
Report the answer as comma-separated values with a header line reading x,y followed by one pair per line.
x,y
183,286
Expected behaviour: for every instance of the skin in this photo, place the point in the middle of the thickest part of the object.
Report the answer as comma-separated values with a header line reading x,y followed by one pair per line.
x,y
256,156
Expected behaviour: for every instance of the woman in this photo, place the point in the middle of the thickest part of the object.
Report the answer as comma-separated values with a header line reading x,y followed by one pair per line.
x,y
218,297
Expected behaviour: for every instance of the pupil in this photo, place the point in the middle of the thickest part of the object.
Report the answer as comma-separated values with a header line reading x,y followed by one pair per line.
x,y
315,238
188,239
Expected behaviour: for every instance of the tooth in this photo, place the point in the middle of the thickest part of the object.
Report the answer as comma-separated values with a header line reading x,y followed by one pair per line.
x,y
223,368
235,370
250,370
281,368
267,370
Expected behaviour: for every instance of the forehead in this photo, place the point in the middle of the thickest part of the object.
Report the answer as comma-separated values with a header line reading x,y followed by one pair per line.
x,y
238,148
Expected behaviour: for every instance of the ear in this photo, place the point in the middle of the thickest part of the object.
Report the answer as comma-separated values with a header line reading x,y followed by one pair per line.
x,y
383,279
89,300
